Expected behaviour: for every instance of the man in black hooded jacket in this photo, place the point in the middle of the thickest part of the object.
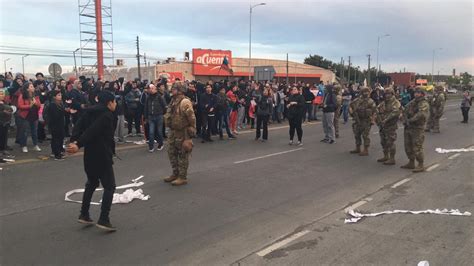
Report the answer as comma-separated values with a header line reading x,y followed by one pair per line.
x,y
95,132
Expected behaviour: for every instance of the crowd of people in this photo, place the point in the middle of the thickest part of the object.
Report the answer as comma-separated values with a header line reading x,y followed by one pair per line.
x,y
225,107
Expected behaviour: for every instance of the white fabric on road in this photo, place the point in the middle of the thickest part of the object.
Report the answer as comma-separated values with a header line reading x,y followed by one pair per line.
x,y
124,197
440,150
357,216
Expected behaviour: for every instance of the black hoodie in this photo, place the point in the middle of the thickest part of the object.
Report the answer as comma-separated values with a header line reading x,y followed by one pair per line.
x,y
95,132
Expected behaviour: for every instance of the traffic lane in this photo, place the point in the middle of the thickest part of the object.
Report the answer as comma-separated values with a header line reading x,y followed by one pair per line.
x,y
37,184
393,239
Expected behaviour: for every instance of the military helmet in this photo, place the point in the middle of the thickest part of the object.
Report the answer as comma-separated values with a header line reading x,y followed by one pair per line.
x,y
420,90
390,90
439,88
365,89
179,87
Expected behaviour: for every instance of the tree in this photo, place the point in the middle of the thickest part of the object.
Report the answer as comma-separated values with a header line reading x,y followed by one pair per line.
x,y
452,81
466,78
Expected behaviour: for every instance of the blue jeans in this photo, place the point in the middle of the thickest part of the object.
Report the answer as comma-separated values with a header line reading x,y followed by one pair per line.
x,y
222,118
345,112
33,128
155,122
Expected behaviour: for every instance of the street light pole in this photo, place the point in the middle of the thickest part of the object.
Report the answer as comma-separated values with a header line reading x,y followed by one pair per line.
x,y
378,46
432,64
250,36
75,65
5,64
23,62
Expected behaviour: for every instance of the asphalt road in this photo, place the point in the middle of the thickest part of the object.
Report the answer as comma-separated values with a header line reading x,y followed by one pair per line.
x,y
252,203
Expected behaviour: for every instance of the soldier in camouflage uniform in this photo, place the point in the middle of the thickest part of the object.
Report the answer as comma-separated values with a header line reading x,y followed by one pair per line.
x,y
181,121
388,113
337,113
436,109
363,112
414,119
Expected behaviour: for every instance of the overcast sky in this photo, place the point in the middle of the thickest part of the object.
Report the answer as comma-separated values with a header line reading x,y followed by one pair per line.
x,y
332,29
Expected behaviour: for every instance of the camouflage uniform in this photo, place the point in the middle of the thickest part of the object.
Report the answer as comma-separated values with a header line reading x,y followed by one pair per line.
x,y
181,121
337,113
415,116
388,113
436,110
363,111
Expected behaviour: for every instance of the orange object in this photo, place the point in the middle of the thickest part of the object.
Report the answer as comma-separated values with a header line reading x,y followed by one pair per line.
x,y
208,62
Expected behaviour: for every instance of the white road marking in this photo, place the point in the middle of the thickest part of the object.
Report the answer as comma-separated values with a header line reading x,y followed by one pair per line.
x,y
282,243
431,168
452,105
357,204
444,118
375,133
401,182
454,156
268,155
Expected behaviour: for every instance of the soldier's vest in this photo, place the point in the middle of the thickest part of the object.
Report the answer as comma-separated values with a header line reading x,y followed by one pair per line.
x,y
413,109
364,112
175,118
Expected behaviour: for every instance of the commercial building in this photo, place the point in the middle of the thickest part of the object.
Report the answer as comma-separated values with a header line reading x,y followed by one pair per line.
x,y
219,64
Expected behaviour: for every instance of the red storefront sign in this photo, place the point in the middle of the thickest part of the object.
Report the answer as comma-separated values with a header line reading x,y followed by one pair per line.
x,y
209,62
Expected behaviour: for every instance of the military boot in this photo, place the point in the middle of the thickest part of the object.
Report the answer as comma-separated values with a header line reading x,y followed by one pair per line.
x,y
365,152
357,150
179,182
391,160
170,178
420,168
385,157
409,165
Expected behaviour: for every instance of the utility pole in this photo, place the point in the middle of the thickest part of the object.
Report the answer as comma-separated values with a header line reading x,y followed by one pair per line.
x,y
99,40
287,78
343,69
138,59
349,71
23,62
368,71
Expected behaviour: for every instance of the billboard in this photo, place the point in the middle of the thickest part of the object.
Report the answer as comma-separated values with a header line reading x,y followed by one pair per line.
x,y
208,62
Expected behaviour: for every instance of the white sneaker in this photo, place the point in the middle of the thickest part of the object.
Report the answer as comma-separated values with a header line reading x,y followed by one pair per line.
x,y
300,143
291,143
36,148
24,149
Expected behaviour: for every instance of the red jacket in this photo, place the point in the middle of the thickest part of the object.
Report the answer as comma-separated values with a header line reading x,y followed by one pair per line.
x,y
24,106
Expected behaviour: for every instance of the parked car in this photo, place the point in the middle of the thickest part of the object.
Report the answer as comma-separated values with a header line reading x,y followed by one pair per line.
x,y
451,91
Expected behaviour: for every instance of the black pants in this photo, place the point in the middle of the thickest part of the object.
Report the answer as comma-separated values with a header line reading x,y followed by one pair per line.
x,y
295,124
134,115
67,122
465,113
41,132
208,123
198,121
262,121
3,136
107,179
57,139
